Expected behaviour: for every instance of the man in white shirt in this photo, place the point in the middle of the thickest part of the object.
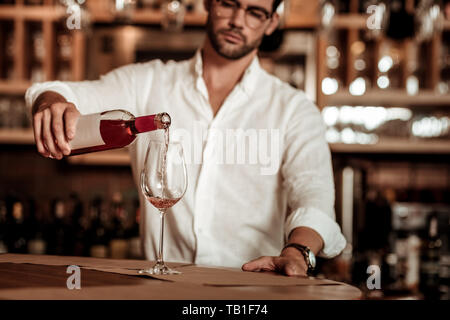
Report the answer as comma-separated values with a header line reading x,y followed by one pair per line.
x,y
273,209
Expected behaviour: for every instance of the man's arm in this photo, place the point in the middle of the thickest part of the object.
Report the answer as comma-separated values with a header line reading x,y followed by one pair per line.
x,y
309,186
56,105
290,262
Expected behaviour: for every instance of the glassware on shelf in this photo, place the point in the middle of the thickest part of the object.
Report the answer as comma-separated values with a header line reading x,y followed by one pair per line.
x,y
389,66
163,182
429,19
37,74
444,63
65,46
38,45
332,82
361,83
5,107
124,9
173,12
9,46
327,14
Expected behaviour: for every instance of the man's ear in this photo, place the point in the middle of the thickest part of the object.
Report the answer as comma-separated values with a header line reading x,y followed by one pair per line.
x,y
274,21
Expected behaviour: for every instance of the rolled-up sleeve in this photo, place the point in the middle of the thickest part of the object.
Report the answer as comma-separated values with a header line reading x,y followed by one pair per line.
x,y
308,179
114,90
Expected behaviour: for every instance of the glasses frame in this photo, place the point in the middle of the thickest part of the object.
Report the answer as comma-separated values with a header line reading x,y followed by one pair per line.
x,y
218,3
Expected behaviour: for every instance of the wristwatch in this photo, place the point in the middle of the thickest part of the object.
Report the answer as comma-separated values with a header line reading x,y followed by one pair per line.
x,y
310,258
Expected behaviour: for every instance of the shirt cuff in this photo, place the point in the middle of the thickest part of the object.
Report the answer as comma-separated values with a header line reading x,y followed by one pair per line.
x,y
323,224
57,86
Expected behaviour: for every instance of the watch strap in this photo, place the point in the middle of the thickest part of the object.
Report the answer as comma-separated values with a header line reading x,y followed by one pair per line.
x,y
305,252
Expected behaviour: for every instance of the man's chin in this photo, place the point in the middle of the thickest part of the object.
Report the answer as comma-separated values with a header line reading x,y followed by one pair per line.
x,y
231,53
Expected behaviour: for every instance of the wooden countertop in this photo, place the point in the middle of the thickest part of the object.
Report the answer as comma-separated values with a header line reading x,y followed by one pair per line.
x,y
45,277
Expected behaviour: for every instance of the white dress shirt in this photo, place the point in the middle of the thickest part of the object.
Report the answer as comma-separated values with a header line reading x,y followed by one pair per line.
x,y
258,169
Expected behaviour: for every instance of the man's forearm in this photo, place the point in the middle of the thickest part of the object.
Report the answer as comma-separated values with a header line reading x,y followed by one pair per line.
x,y
307,237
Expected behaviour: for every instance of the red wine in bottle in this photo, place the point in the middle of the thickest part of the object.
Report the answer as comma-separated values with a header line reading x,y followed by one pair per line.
x,y
113,129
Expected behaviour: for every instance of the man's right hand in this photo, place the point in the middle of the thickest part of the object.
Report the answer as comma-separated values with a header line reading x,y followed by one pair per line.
x,y
54,124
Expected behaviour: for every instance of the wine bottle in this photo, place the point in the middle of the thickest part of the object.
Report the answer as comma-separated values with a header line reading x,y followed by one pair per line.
x,y
3,226
98,233
113,129
75,212
18,229
118,246
134,240
58,232
429,266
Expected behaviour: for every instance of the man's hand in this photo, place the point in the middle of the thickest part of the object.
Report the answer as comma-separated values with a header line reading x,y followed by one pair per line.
x,y
290,262
54,124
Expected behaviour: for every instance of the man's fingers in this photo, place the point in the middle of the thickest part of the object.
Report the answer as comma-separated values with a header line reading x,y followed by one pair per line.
x,y
37,130
58,128
290,267
47,135
260,264
71,116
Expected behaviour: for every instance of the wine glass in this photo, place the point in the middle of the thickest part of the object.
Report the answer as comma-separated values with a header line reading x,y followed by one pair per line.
x,y
163,183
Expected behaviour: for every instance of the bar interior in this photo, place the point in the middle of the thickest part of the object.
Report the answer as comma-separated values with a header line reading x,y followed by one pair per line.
x,y
379,71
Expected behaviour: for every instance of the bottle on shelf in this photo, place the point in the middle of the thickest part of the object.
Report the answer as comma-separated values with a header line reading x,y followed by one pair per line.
x,y
37,243
118,246
430,257
3,226
361,83
76,217
17,229
98,231
333,81
60,236
113,129
173,12
134,240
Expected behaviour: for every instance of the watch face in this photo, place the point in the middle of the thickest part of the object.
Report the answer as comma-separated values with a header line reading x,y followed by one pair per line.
x,y
312,259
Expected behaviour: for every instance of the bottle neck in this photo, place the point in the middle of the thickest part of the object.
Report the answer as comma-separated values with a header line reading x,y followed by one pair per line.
x,y
145,124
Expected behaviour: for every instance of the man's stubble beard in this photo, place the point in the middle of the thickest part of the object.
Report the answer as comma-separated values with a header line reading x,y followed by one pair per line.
x,y
236,54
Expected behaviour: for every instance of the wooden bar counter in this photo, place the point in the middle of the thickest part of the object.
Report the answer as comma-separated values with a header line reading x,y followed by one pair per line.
x,y
45,277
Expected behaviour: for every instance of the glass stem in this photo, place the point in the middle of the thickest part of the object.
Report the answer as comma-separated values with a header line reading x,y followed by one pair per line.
x,y
160,260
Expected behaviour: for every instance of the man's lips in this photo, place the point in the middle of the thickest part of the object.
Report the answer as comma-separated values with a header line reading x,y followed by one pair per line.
x,y
233,37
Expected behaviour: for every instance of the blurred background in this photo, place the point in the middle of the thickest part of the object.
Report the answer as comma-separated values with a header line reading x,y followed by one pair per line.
x,y
378,70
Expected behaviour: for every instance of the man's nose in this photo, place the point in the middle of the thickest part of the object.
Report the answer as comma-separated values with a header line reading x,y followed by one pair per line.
x,y
238,18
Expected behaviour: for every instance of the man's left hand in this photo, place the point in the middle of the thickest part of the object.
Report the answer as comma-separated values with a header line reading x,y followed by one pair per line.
x,y
290,262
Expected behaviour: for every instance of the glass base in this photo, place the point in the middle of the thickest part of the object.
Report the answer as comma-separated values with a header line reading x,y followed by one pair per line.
x,y
159,269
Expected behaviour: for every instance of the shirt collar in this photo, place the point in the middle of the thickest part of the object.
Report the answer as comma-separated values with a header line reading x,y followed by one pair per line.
x,y
248,81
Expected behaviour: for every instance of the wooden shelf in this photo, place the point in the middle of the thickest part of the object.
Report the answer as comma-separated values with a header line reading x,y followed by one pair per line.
x,y
38,13
16,136
119,157
298,21
20,136
147,16
359,21
350,21
396,146
152,16
14,87
389,97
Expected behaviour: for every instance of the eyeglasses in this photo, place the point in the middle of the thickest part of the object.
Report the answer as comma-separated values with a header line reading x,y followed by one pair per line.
x,y
254,16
